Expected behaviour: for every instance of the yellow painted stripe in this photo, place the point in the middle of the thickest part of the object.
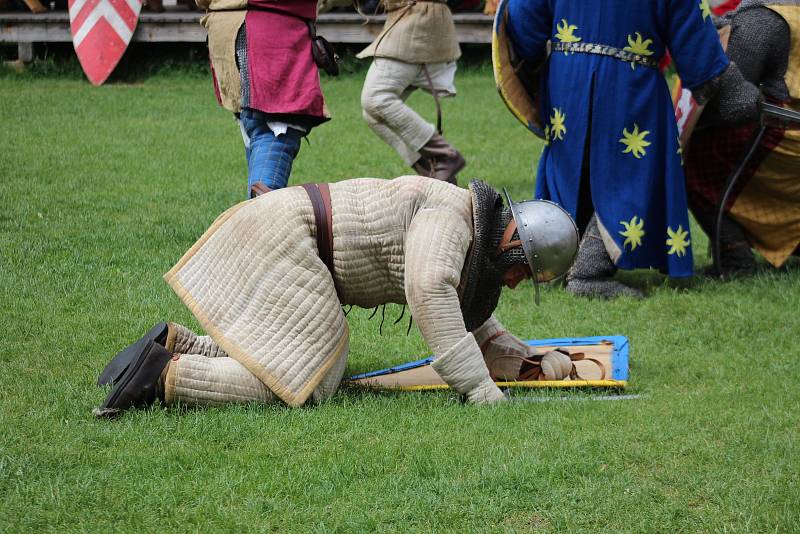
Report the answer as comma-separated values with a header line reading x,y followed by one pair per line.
x,y
528,384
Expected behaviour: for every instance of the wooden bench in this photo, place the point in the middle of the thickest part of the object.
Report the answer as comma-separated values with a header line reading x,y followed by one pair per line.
x,y
181,26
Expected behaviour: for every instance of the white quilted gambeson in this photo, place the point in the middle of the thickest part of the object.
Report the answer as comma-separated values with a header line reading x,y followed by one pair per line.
x,y
256,283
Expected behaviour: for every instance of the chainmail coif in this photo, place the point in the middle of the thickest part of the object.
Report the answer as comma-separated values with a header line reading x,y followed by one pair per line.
x,y
758,48
484,279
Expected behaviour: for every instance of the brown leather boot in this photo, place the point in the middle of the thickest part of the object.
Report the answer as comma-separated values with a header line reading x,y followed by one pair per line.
x,y
444,160
423,167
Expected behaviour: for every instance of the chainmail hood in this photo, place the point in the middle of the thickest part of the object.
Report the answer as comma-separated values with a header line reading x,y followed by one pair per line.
x,y
761,58
480,290
727,18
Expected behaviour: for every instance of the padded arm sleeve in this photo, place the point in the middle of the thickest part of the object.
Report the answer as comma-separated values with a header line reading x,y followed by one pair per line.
x,y
437,242
462,367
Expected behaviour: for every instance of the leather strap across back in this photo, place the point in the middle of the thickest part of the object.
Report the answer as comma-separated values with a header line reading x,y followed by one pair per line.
x,y
320,196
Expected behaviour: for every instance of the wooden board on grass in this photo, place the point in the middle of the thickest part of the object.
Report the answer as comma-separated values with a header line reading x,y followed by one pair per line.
x,y
610,351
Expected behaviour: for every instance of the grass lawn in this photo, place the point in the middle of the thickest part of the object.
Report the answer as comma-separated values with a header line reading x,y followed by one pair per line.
x,y
103,189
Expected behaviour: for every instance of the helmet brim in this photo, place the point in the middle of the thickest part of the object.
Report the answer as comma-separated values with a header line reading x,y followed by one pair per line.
x,y
527,245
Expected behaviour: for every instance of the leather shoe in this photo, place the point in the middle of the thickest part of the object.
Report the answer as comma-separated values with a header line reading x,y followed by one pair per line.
x,y
442,158
117,366
139,386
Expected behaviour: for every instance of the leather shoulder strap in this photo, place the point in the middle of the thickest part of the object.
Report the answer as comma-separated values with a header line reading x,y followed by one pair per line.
x,y
323,219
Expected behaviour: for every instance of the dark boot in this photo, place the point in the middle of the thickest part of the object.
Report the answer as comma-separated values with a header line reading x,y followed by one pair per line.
x,y
592,273
423,167
442,158
140,385
735,254
117,366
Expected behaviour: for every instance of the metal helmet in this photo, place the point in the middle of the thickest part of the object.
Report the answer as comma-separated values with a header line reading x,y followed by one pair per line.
x,y
549,238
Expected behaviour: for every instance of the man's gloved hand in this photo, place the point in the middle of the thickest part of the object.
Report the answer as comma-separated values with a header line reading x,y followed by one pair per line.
x,y
738,100
464,370
501,350
731,97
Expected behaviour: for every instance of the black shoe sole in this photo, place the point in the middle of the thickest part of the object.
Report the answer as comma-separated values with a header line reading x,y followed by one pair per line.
x,y
117,366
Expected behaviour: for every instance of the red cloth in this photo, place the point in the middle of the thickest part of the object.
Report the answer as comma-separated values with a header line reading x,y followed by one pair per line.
x,y
724,7
714,153
283,76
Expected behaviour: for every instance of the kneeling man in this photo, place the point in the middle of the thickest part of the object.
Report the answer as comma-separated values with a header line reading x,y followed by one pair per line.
x,y
268,279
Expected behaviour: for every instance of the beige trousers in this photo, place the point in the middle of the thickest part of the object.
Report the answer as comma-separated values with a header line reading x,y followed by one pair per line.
x,y
201,374
388,85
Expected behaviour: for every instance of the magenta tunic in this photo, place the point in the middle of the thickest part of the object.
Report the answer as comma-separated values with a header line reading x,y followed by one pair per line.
x,y
283,76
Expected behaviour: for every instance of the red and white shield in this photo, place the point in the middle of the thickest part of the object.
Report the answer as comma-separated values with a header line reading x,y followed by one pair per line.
x,y
101,31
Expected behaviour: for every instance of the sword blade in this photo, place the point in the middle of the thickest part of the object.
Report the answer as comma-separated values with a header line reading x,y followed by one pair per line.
x,y
776,112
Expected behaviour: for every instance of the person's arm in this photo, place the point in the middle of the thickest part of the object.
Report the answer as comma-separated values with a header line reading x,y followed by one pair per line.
x,y
703,66
504,354
694,44
529,26
502,351
437,243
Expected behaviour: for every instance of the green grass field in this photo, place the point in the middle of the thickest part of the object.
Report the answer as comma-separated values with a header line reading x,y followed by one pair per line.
x,y
103,189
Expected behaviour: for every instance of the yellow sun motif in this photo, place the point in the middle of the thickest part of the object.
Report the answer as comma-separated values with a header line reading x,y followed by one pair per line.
x,y
565,33
558,128
633,233
634,141
705,9
638,46
677,240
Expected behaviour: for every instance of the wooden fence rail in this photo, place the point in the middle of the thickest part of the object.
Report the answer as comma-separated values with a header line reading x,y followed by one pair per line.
x,y
25,29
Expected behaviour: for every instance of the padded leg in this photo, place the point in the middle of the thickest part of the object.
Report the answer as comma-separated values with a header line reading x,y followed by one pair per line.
x,y
197,380
187,342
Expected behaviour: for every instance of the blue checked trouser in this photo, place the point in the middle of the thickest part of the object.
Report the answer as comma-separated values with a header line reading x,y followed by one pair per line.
x,y
269,157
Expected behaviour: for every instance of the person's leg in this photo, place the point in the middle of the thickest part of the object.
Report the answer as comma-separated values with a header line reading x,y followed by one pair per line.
x,y
389,137
592,273
736,253
384,109
187,342
269,157
438,156
195,380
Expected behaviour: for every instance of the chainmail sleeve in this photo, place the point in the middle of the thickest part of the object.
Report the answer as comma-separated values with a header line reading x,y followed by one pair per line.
x,y
241,62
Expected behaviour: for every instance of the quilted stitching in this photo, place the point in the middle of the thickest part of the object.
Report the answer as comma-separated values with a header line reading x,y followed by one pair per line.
x,y
256,284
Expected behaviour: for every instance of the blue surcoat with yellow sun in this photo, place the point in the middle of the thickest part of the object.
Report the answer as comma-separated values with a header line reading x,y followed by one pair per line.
x,y
615,115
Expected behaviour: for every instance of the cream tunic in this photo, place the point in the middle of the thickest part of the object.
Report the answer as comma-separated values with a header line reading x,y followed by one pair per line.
x,y
416,32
